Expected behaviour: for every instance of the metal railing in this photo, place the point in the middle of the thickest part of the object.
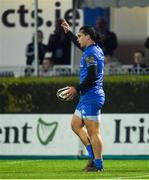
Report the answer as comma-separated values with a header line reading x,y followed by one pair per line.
x,y
64,70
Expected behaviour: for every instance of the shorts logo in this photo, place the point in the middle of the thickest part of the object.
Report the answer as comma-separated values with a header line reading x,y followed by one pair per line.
x,y
46,131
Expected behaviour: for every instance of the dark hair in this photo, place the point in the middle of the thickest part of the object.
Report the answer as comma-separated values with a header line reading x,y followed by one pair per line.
x,y
89,30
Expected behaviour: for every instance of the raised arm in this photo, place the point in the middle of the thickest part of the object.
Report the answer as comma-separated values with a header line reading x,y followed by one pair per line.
x,y
67,30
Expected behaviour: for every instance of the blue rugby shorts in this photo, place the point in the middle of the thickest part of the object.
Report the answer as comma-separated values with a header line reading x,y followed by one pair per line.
x,y
90,109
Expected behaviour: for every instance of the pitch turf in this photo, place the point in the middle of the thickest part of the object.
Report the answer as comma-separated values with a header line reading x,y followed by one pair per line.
x,y
72,169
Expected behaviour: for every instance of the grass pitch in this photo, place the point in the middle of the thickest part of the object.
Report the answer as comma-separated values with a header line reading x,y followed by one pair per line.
x,y
72,169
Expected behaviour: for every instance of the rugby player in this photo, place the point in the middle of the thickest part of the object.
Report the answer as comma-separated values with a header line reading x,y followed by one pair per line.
x,y
86,119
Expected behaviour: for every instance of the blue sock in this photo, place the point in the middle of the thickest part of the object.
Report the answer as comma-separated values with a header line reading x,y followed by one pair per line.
x,y
98,163
90,151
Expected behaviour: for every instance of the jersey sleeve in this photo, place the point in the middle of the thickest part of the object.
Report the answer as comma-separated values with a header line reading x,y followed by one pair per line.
x,y
73,38
89,80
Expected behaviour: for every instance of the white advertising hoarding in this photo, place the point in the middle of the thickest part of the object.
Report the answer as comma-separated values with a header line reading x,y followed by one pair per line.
x,y
17,25
37,135
51,134
125,134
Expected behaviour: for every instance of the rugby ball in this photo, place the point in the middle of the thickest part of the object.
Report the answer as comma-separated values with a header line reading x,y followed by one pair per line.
x,y
61,93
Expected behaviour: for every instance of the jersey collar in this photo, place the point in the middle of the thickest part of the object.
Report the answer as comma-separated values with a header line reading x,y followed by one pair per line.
x,y
89,46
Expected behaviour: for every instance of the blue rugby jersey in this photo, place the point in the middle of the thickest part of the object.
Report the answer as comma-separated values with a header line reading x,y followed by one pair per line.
x,y
92,55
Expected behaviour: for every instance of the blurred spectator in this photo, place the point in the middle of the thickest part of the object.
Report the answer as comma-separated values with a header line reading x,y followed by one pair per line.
x,y
108,40
29,71
47,66
60,45
42,49
139,66
112,65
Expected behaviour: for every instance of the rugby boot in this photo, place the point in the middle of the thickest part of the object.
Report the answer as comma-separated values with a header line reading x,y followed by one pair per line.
x,y
89,165
95,169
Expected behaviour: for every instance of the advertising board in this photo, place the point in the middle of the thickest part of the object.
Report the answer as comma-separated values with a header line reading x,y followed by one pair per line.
x,y
51,135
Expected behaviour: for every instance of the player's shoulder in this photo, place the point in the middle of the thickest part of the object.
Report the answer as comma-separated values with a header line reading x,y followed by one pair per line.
x,y
95,51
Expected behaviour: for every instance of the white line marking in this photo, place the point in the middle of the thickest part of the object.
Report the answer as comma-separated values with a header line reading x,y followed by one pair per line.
x,y
134,177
